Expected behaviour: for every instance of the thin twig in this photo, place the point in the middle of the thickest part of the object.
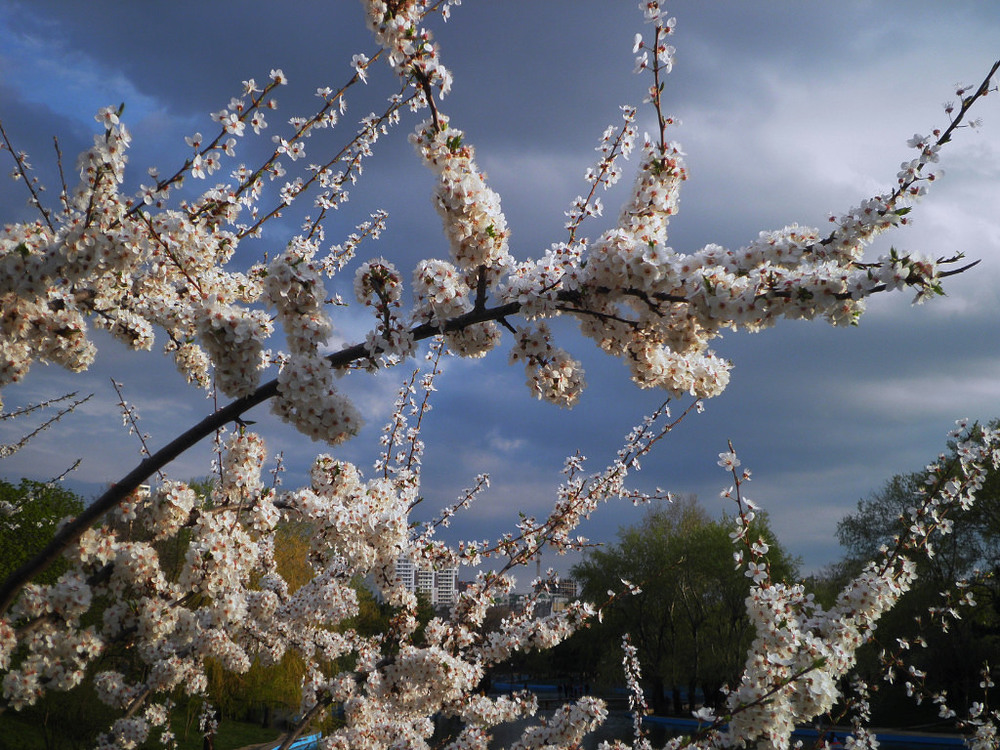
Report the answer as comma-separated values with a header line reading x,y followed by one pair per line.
x,y
23,172
64,195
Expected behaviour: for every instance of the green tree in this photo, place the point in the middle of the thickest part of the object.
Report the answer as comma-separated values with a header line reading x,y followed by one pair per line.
x,y
971,552
689,620
30,512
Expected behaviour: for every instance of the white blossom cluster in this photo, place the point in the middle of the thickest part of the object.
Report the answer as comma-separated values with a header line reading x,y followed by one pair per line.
x,y
552,373
246,610
473,220
308,399
636,698
127,272
377,284
294,287
801,651
409,46
122,263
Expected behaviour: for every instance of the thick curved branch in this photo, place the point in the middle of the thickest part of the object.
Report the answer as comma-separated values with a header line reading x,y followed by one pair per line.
x,y
321,705
119,491
72,531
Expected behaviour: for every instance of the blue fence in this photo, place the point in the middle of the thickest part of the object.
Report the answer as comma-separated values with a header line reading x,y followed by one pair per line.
x,y
889,740
309,742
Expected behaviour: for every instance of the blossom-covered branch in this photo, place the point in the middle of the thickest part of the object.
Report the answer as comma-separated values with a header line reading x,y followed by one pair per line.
x,y
156,262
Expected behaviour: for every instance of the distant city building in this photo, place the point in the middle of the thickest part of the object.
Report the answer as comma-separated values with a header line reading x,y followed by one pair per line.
x,y
513,601
546,603
440,586
567,588
543,602
445,587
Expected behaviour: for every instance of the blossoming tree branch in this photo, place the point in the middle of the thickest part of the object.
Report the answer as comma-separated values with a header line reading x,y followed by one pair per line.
x,y
157,263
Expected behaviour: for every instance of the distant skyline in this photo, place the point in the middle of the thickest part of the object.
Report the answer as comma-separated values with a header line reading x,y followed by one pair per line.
x,y
788,113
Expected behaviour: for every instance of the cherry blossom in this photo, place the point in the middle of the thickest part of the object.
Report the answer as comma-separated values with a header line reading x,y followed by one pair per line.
x,y
154,264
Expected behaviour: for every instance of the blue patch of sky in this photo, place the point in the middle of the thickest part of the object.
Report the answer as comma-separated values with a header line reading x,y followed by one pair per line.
x,y
43,70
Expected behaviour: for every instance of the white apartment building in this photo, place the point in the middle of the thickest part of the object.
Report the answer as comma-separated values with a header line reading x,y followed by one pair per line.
x,y
439,585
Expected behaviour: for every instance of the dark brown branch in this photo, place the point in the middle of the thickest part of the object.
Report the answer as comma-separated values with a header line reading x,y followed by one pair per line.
x,y
598,314
73,530
425,86
64,195
945,137
967,102
23,172
480,303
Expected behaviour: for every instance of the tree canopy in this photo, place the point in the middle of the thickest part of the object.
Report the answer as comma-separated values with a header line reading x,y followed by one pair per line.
x,y
30,512
956,568
689,620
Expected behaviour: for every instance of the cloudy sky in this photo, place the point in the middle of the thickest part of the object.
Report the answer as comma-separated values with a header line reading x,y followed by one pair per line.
x,y
789,112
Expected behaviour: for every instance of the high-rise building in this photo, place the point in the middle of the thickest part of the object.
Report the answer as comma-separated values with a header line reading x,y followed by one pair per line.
x,y
439,585
445,588
567,587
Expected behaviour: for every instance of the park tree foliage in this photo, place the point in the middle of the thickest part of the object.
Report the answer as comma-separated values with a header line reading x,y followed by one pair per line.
x,y
30,513
688,621
949,659
159,264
